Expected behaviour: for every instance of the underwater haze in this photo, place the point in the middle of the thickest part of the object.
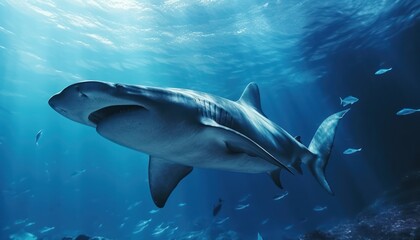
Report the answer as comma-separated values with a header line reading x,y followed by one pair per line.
x,y
310,59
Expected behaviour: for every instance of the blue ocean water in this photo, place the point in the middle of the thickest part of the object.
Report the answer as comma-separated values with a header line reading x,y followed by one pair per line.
x,y
304,56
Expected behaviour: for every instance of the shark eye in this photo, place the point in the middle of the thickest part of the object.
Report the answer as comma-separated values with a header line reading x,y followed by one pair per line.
x,y
81,94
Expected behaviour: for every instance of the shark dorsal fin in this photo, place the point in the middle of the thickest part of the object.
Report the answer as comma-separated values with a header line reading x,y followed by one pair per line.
x,y
251,97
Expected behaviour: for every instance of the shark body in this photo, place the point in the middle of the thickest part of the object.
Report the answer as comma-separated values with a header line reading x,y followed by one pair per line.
x,y
181,129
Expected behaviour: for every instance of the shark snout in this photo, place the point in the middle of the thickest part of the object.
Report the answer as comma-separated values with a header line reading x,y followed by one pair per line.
x,y
90,102
53,102
78,96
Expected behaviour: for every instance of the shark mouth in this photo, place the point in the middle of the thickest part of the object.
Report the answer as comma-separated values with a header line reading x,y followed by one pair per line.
x,y
103,113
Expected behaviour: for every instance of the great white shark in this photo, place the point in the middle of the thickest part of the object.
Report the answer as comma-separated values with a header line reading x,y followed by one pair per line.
x,y
181,129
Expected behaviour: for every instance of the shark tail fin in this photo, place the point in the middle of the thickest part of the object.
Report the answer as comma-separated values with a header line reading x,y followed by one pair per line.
x,y
320,148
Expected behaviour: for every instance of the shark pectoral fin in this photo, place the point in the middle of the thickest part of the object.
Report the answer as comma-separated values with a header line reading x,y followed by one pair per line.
x,y
239,150
164,176
275,175
238,143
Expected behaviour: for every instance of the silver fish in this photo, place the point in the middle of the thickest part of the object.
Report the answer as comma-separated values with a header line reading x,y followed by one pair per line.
x,y
382,71
281,196
46,229
320,208
406,111
348,100
352,150
153,211
38,136
265,221
288,227
223,220
242,206
133,205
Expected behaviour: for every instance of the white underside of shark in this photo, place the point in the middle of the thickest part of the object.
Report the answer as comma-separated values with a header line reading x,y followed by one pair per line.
x,y
181,129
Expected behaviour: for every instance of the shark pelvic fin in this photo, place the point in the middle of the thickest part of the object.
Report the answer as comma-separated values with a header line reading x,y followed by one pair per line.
x,y
297,166
275,175
164,176
251,97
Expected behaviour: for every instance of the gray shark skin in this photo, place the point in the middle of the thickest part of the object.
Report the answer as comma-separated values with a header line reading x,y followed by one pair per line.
x,y
181,129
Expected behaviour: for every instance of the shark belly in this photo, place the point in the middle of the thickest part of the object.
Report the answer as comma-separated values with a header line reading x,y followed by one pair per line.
x,y
184,143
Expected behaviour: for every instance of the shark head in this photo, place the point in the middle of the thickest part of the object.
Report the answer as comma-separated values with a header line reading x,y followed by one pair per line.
x,y
91,102
133,116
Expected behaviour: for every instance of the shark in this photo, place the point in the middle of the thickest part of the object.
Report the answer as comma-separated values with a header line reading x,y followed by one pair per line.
x,y
182,129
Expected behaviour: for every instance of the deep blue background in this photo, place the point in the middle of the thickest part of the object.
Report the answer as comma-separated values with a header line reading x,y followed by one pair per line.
x,y
304,56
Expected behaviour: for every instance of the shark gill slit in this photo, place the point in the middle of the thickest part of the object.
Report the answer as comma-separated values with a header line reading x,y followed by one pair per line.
x,y
214,112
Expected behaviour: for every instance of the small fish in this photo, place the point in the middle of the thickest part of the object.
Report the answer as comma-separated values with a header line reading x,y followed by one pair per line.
x,y
288,227
100,225
25,191
153,211
144,222
348,100
29,224
382,71
195,235
281,196
159,230
46,229
140,229
244,198
172,231
223,220
217,207
20,221
38,136
259,237
319,208
242,206
78,173
122,225
182,204
352,150
142,225
406,111
133,205
265,221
